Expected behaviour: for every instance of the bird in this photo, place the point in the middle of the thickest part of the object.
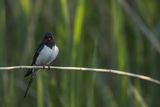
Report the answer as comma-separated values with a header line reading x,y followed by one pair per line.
x,y
45,53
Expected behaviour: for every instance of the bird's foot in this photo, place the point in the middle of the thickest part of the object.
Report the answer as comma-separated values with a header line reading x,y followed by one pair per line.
x,y
43,66
49,67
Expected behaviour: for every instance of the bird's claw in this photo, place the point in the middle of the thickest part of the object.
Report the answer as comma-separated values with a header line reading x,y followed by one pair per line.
x,y
43,67
49,67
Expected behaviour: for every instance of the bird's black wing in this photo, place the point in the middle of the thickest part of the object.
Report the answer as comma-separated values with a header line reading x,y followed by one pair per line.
x,y
38,50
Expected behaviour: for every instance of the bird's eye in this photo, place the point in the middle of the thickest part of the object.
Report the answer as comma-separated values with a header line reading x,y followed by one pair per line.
x,y
45,37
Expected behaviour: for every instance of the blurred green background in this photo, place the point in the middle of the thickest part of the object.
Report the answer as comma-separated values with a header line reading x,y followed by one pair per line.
x,y
115,34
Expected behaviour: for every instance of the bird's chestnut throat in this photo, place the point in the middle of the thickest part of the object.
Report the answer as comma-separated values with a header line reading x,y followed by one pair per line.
x,y
50,44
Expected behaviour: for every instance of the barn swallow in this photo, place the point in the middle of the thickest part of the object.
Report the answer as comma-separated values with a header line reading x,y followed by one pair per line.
x,y
45,53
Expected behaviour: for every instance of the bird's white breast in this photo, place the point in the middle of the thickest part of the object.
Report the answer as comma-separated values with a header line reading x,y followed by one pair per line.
x,y
47,55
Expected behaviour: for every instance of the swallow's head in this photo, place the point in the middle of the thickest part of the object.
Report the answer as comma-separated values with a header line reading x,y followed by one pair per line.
x,y
48,38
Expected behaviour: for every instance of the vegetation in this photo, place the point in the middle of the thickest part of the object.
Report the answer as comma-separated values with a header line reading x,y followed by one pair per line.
x,y
115,34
